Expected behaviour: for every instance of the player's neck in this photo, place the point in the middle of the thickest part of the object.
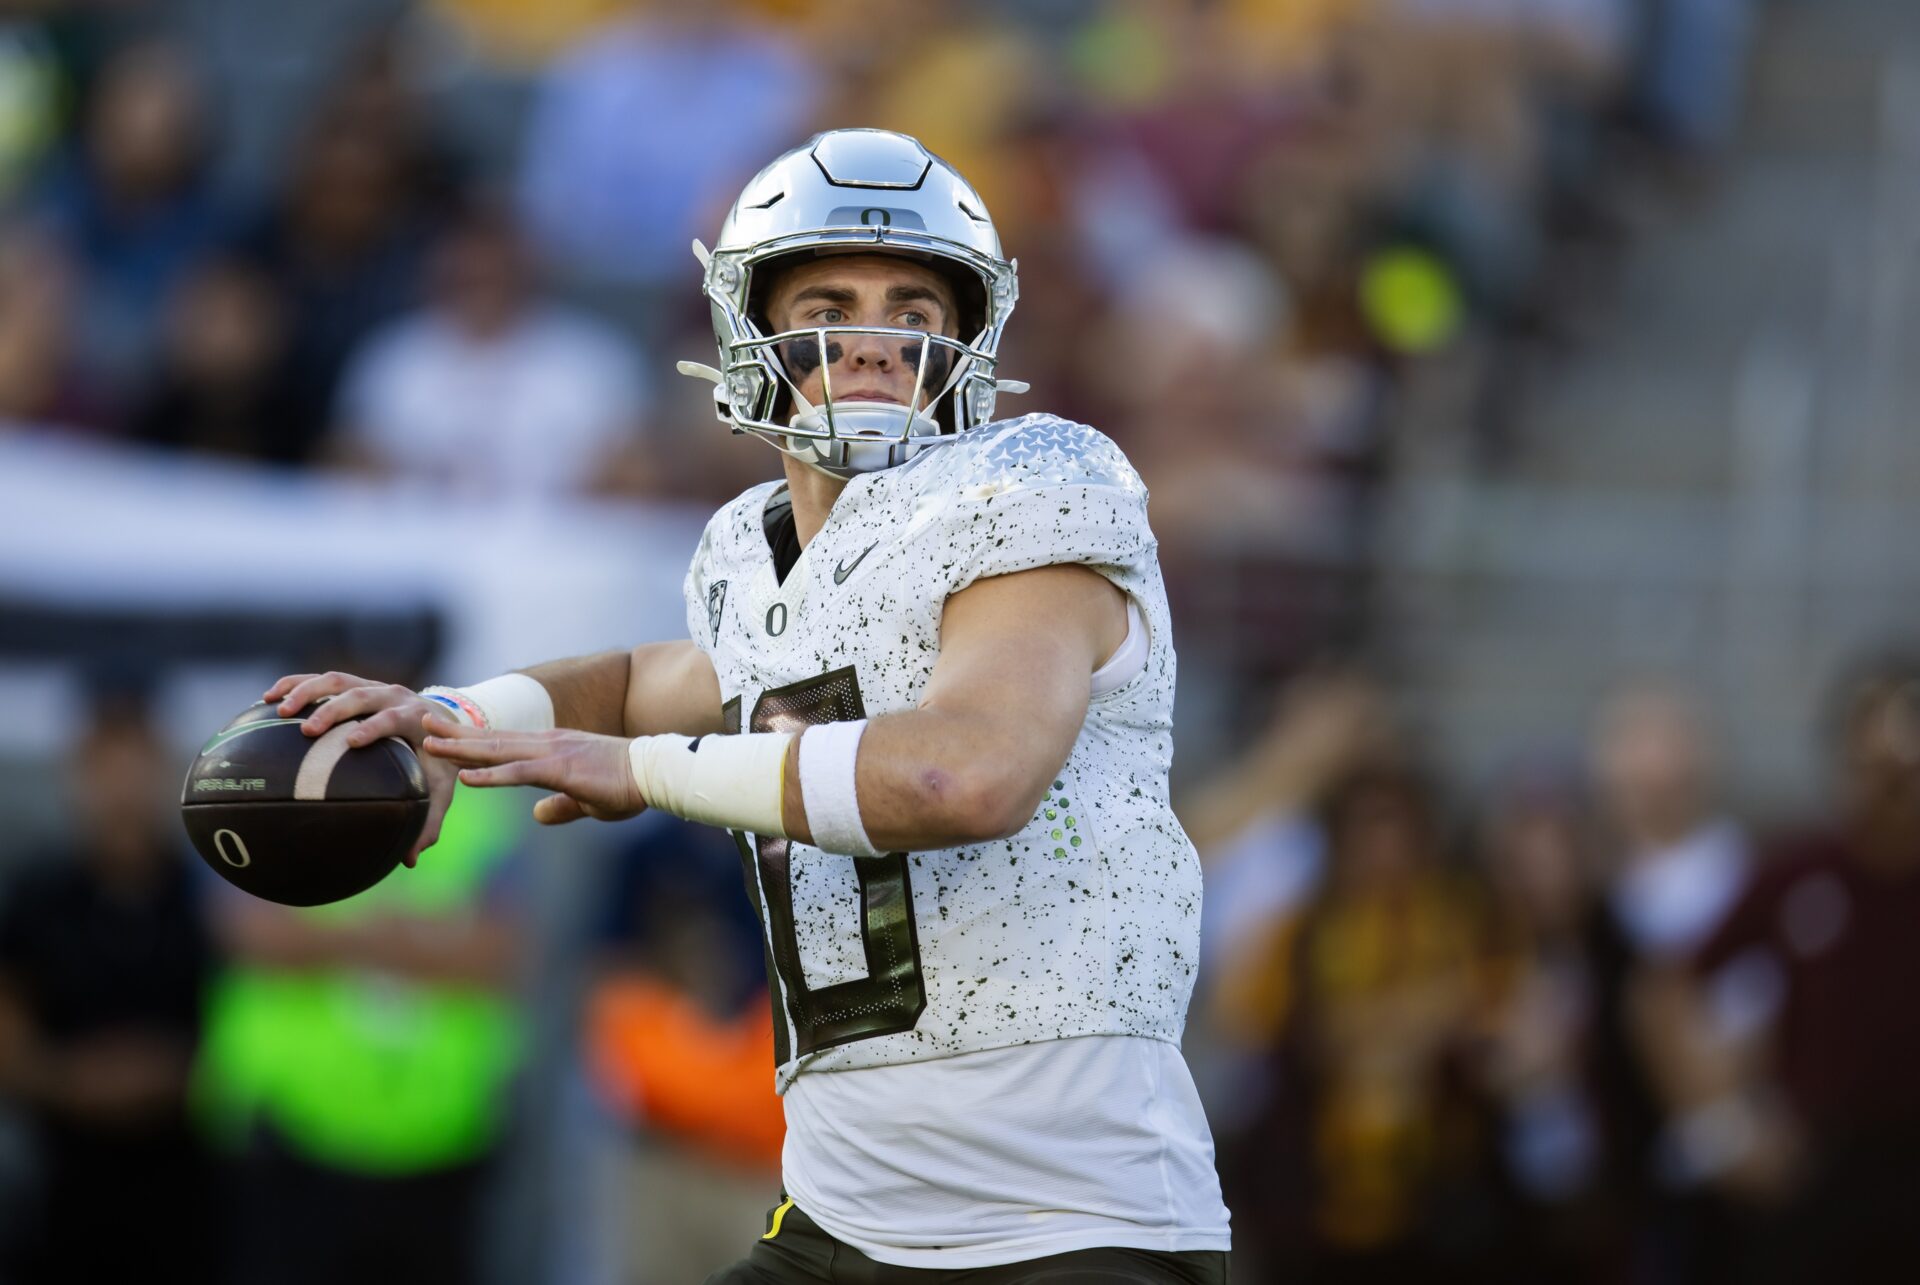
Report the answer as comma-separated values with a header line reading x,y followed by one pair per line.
x,y
812,493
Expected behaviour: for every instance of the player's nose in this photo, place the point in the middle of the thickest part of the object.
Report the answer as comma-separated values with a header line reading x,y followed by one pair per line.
x,y
869,352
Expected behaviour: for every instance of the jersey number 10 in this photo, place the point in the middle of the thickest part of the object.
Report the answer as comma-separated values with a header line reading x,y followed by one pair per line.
x,y
890,998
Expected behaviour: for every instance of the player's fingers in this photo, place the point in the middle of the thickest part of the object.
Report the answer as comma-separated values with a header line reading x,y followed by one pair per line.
x,y
612,814
533,771
283,685
391,721
351,704
439,723
430,832
558,809
314,686
481,748
472,751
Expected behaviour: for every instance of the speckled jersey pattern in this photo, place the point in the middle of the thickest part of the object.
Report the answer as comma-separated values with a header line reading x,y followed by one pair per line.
x,y
1086,921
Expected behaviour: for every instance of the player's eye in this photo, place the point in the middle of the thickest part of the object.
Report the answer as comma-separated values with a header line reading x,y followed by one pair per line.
x,y
830,316
914,320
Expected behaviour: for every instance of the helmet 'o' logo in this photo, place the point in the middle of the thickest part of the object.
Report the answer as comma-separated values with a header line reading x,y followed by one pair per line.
x,y
874,215
232,848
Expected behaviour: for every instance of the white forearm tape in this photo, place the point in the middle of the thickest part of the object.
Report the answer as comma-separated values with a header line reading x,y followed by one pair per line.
x,y
734,782
828,754
509,703
513,703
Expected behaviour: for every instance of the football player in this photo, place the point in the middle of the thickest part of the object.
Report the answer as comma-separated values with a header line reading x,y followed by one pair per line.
x,y
930,689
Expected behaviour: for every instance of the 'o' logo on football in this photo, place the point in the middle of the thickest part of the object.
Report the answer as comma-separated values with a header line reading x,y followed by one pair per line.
x,y
232,848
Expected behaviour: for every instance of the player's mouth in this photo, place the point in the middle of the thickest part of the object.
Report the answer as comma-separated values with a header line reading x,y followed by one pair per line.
x,y
867,397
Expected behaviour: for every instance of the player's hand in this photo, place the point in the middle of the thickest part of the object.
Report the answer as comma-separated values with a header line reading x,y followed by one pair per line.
x,y
385,709
589,772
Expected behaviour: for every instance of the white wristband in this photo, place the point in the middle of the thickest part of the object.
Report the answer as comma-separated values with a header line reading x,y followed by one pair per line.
x,y
734,782
513,703
828,753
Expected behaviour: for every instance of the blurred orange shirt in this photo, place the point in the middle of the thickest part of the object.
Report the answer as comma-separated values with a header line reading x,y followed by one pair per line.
x,y
654,1052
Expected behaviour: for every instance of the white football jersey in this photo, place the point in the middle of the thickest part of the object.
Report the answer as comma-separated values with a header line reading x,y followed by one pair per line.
x,y
1087,921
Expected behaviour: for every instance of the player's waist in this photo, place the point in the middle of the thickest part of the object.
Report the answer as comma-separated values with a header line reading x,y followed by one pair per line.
x,y
1007,1153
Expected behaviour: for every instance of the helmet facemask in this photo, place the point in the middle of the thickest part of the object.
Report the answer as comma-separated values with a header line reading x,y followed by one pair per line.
x,y
847,436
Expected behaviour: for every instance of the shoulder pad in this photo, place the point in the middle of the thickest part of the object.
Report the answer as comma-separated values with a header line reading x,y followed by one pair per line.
x,y
1035,450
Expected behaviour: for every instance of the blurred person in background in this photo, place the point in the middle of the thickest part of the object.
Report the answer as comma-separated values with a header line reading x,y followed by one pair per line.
x,y
1257,825
1543,1032
491,392
1368,1161
1674,866
677,1045
104,953
220,385
359,1062
132,206
1794,1053
41,380
1678,863
640,136
344,245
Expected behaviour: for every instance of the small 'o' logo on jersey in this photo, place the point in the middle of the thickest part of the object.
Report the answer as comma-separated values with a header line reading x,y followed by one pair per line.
x,y
776,619
223,840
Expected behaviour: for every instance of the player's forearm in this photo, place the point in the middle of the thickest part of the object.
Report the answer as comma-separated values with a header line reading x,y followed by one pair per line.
x,y
930,778
651,689
588,692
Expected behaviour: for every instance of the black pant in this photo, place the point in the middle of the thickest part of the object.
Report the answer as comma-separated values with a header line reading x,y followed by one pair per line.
x,y
799,1253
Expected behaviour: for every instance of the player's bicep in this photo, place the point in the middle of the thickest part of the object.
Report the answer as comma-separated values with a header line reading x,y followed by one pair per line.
x,y
671,687
1019,651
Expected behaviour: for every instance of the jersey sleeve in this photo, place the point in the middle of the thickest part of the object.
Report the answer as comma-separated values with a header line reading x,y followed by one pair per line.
x,y
701,577
1038,492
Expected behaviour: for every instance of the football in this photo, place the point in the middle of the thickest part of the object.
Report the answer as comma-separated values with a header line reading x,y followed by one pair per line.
x,y
301,820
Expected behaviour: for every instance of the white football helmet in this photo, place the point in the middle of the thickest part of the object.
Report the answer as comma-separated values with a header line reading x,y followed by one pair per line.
x,y
849,191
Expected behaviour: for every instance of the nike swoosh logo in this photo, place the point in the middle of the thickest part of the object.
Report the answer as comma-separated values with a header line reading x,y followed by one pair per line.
x,y
841,570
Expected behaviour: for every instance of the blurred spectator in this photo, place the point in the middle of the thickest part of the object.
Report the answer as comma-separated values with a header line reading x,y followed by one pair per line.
x,y
1545,1034
40,379
1370,1158
490,391
221,384
1257,825
1799,1086
1675,868
640,137
344,247
132,205
681,1054
1680,865
358,1063
103,957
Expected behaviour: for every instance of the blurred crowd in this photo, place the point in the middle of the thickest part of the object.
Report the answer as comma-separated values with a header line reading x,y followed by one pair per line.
x,y
447,241
1588,1027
